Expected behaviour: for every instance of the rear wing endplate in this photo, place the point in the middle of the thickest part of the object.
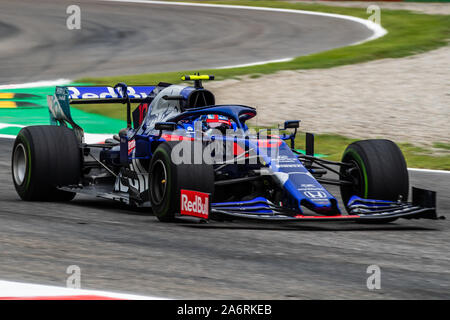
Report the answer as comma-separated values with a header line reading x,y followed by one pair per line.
x,y
59,109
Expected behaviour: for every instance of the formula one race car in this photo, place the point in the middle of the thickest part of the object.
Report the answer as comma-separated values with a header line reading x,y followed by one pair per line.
x,y
183,155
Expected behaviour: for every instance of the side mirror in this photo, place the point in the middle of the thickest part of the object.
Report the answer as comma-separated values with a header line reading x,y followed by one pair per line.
x,y
292,124
169,126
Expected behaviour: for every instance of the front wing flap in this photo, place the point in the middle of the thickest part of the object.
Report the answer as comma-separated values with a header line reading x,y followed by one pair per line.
x,y
423,206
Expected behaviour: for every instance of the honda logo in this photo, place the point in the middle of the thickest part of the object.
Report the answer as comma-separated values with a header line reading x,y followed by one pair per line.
x,y
315,194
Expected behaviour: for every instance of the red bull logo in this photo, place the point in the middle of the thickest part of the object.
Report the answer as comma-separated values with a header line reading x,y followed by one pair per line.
x,y
194,203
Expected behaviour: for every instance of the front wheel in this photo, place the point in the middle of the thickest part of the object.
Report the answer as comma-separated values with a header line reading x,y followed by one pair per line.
x,y
378,171
167,179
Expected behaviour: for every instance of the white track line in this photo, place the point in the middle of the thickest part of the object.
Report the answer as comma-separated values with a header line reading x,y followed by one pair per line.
x,y
49,83
7,136
6,125
378,30
255,63
26,290
88,137
428,170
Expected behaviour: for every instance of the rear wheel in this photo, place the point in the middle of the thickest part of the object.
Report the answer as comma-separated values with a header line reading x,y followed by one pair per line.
x,y
43,158
168,178
379,171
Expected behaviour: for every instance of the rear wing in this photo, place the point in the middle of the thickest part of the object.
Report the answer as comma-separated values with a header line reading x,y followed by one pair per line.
x,y
59,103
94,95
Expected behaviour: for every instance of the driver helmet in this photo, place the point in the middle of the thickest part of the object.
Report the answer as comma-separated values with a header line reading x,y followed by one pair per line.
x,y
216,121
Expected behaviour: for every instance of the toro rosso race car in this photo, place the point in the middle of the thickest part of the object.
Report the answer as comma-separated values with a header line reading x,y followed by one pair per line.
x,y
183,155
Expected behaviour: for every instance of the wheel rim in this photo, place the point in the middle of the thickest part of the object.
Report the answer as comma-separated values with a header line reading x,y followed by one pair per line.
x,y
159,182
354,175
20,164
357,179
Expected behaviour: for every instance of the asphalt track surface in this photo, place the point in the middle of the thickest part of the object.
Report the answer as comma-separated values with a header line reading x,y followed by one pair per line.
x,y
125,250
130,251
132,38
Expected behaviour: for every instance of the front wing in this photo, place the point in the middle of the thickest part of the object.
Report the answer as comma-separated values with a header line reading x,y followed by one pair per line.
x,y
422,206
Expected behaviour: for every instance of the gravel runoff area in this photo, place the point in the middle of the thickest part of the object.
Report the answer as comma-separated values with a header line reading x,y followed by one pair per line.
x,y
405,99
424,7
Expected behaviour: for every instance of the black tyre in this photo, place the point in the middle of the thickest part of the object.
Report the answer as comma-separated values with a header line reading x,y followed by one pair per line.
x,y
167,179
43,158
379,171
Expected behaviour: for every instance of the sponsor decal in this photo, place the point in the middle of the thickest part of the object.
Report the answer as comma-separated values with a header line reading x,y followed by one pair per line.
x,y
107,92
283,158
315,194
194,203
300,216
310,187
290,166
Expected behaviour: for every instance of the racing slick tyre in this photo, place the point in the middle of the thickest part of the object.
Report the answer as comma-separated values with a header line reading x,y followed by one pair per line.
x,y
379,171
43,158
168,178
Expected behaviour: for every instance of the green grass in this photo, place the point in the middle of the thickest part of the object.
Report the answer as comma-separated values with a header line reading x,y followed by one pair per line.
x,y
442,145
